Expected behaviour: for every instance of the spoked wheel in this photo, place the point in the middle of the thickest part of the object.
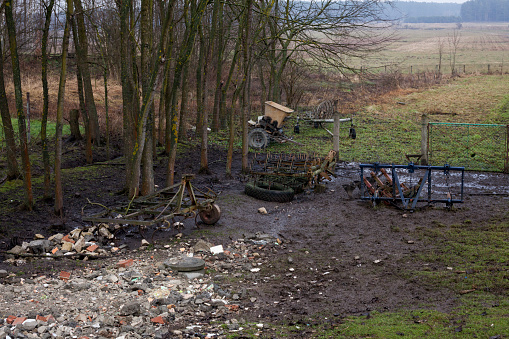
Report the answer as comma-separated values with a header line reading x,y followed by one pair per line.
x,y
258,138
210,215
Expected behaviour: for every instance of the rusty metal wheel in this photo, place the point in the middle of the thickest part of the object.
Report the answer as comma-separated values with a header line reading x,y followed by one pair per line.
x,y
210,215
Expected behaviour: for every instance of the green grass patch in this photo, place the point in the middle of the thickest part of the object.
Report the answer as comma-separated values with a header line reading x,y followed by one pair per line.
x,y
478,257
35,130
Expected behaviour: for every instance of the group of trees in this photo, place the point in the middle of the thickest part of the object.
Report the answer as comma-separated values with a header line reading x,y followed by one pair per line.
x,y
158,50
469,11
485,10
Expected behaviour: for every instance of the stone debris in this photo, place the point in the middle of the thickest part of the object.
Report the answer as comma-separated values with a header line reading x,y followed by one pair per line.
x,y
178,290
262,210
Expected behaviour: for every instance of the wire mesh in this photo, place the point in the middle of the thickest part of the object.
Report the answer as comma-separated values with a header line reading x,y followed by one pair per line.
x,y
477,147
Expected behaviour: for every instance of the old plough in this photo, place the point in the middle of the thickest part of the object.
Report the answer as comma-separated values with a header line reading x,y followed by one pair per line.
x,y
162,208
410,184
297,171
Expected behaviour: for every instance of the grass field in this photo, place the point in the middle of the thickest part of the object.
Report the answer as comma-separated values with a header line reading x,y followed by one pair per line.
x,y
417,48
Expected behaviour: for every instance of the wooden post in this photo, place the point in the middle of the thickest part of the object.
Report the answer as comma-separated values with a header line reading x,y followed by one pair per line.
x,y
335,136
424,139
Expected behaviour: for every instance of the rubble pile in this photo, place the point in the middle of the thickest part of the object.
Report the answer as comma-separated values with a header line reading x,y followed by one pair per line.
x,y
157,291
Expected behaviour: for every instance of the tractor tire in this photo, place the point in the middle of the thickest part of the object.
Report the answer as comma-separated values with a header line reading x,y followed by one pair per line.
x,y
258,138
274,192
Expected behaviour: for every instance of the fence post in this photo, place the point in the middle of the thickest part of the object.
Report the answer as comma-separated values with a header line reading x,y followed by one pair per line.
x,y
335,136
424,139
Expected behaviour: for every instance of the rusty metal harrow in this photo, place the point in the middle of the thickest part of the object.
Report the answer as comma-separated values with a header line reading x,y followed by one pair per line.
x,y
162,208
294,170
432,184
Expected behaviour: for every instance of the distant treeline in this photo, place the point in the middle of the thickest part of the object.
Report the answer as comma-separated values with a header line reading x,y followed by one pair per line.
x,y
485,10
409,11
433,19
470,11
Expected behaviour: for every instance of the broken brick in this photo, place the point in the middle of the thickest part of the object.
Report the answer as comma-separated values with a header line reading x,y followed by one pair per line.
x,y
10,319
19,320
92,248
65,275
68,239
158,320
125,263
55,250
232,308
41,318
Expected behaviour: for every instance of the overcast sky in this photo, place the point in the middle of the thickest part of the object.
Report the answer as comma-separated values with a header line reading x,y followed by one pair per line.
x,y
455,1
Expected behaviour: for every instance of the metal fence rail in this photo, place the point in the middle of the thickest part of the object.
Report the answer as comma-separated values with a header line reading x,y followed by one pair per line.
x,y
477,147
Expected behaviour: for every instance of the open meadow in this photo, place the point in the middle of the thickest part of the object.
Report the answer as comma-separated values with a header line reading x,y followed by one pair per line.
x,y
419,46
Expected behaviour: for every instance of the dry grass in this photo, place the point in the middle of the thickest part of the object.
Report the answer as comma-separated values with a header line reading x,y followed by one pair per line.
x,y
31,83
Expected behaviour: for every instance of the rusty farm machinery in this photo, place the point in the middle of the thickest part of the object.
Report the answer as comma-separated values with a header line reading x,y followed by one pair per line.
x,y
278,176
411,184
163,209
269,127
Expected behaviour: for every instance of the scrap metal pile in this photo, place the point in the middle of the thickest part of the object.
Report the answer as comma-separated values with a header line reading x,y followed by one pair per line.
x,y
297,171
163,208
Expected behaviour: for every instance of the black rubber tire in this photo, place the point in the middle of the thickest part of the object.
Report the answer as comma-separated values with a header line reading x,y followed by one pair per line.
x,y
258,138
275,192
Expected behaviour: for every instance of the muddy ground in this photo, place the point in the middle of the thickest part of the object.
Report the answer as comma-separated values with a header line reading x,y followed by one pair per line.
x,y
330,241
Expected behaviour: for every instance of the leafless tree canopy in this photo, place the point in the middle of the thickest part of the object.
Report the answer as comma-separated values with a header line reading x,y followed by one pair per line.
x,y
181,61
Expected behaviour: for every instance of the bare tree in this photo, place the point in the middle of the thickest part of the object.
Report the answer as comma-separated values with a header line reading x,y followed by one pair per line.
x,y
59,198
440,45
25,160
45,96
454,42
12,163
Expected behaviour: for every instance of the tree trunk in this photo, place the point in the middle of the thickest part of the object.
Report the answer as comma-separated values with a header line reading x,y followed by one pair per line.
x,y
25,160
184,103
200,99
246,67
12,163
217,33
59,199
127,89
81,96
45,96
74,123
146,15
231,140
185,52
87,82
